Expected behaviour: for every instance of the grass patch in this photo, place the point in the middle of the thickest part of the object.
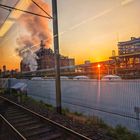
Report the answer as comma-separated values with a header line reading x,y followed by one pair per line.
x,y
65,111
1,91
78,114
41,104
123,133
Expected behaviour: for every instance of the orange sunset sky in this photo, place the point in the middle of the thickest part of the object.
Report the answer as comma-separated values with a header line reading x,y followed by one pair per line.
x,y
88,29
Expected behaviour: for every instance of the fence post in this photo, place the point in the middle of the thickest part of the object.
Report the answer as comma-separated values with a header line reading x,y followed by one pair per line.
x,y
137,111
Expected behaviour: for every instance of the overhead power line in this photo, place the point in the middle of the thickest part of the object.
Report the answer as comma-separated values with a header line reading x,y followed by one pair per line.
x,y
41,8
6,16
6,8
9,7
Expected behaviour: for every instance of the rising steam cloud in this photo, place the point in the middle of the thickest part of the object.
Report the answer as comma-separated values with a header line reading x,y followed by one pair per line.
x,y
37,28
29,58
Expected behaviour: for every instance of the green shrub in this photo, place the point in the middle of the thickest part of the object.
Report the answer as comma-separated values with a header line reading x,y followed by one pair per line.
x,y
102,124
65,111
78,114
123,133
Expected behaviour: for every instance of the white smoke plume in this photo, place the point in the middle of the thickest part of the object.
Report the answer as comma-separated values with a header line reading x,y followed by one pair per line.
x,y
37,29
28,58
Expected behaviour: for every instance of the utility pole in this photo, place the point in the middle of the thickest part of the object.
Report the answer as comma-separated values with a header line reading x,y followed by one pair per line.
x,y
57,56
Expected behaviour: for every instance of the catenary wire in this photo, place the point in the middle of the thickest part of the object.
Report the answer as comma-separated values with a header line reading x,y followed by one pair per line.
x,y
41,8
6,6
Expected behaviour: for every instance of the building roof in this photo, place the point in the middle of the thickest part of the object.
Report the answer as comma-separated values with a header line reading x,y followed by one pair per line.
x,y
44,51
126,55
129,42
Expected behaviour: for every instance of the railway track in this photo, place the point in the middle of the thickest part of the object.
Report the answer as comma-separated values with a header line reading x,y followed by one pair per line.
x,y
26,124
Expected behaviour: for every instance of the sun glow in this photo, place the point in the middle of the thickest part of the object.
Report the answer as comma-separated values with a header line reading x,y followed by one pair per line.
x,y
20,5
14,15
98,65
6,26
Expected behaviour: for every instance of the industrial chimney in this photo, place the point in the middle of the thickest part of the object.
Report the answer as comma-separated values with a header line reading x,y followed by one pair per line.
x,y
42,45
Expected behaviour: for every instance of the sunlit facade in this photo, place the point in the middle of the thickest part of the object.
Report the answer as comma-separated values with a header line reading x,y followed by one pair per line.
x,y
128,59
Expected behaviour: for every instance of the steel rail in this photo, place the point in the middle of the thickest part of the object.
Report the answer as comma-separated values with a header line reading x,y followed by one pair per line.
x,y
69,131
13,128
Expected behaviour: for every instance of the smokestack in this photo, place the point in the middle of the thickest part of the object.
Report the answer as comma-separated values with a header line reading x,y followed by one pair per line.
x,y
4,68
42,45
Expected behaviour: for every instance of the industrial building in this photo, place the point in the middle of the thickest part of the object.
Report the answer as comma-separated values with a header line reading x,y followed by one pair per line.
x,y
128,60
46,59
126,63
95,68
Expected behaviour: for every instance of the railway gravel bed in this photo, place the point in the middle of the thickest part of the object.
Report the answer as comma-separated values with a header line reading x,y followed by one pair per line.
x,y
29,125
92,131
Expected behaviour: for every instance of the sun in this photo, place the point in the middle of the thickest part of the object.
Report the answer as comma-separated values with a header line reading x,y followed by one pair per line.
x,y
98,65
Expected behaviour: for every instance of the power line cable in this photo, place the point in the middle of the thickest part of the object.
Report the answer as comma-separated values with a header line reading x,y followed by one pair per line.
x,y
8,13
9,9
5,6
6,16
41,8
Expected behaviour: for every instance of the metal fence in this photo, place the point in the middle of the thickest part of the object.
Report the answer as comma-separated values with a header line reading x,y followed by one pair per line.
x,y
116,102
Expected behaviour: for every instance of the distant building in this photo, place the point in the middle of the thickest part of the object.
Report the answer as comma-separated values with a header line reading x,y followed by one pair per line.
x,y
24,67
5,73
93,69
128,59
4,68
129,47
0,73
46,59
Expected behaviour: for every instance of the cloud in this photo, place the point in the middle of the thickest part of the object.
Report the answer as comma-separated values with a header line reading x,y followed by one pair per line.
x,y
126,2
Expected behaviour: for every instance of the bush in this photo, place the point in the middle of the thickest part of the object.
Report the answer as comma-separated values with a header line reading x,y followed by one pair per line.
x,y
65,111
102,124
78,114
123,133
